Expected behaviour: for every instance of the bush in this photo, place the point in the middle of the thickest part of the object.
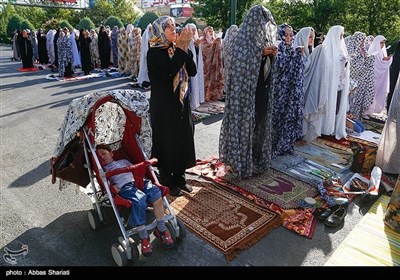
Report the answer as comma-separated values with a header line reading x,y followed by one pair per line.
x,y
26,24
66,24
51,24
14,24
191,20
114,21
86,23
147,18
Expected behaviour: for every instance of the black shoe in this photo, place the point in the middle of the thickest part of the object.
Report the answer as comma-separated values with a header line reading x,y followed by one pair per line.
x,y
186,188
175,192
325,213
336,218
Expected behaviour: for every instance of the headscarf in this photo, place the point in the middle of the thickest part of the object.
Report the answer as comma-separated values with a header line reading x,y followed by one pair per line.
x,y
158,40
301,39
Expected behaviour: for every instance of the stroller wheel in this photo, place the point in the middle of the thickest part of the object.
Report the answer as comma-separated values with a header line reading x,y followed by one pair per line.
x,y
94,219
119,255
171,230
134,249
182,229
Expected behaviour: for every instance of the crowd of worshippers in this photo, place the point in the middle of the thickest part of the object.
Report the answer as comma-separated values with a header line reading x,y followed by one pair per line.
x,y
280,88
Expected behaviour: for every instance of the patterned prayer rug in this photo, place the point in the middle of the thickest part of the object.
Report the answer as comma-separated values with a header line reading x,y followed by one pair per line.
x,y
225,220
302,221
370,243
211,107
337,159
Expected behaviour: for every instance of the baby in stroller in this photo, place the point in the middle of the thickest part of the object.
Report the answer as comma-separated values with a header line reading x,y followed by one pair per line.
x,y
124,185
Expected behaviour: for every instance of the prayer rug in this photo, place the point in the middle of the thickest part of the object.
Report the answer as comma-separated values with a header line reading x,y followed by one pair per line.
x,y
76,77
225,220
373,126
211,107
302,221
32,69
330,157
370,243
198,117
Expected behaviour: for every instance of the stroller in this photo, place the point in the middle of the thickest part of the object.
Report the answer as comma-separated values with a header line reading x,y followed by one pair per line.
x,y
117,118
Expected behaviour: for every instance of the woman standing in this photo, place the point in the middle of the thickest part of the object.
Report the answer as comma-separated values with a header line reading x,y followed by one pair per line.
x,y
169,67
245,139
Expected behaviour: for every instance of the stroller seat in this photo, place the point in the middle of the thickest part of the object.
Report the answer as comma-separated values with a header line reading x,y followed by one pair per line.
x,y
139,173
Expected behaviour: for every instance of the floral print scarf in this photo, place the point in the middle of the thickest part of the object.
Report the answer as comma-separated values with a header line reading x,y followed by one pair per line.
x,y
158,40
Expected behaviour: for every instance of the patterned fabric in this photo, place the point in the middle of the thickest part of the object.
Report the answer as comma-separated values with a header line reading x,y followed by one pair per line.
x,y
227,221
392,215
108,117
135,52
243,145
388,155
301,221
94,49
361,72
114,46
212,66
65,55
288,100
158,40
123,52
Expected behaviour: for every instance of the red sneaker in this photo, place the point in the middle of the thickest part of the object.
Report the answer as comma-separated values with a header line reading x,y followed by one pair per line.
x,y
147,248
165,237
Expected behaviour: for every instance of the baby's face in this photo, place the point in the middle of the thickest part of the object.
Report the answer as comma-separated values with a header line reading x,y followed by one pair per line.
x,y
106,156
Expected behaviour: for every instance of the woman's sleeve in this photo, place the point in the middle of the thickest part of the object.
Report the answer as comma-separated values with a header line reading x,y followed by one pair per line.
x,y
162,69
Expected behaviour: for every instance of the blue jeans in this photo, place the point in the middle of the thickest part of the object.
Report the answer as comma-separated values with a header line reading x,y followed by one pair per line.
x,y
139,200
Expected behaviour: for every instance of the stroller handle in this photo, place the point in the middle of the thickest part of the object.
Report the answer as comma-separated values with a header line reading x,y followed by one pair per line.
x,y
135,169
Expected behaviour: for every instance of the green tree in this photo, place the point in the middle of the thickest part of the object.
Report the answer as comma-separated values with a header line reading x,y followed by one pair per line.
x,y
114,21
190,20
37,16
217,13
66,24
51,24
14,24
147,18
6,13
85,23
26,24
60,14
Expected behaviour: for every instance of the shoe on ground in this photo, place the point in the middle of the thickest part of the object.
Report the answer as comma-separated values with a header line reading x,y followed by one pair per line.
x,y
186,188
175,192
325,213
147,248
336,218
165,237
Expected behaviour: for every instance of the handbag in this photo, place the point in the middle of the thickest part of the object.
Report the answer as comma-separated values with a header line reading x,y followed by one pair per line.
x,y
69,165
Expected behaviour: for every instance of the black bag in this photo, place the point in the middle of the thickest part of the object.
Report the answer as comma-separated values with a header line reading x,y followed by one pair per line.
x,y
69,165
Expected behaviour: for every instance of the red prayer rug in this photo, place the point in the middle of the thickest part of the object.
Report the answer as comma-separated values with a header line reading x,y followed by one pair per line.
x,y
32,69
227,221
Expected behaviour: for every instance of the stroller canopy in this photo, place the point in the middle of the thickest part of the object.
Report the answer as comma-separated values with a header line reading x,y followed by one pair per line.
x,y
113,119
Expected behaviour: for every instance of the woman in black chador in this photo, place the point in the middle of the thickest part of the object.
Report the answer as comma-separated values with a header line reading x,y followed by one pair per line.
x,y
169,67
84,42
26,51
104,48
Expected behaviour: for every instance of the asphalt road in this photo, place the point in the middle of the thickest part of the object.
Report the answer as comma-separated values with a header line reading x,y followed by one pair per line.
x,y
54,223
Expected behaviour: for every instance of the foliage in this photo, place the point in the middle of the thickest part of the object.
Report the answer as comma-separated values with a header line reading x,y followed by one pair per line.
x,y
6,13
37,16
190,20
103,8
26,24
147,18
221,19
60,14
14,24
86,23
114,21
51,24
66,24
